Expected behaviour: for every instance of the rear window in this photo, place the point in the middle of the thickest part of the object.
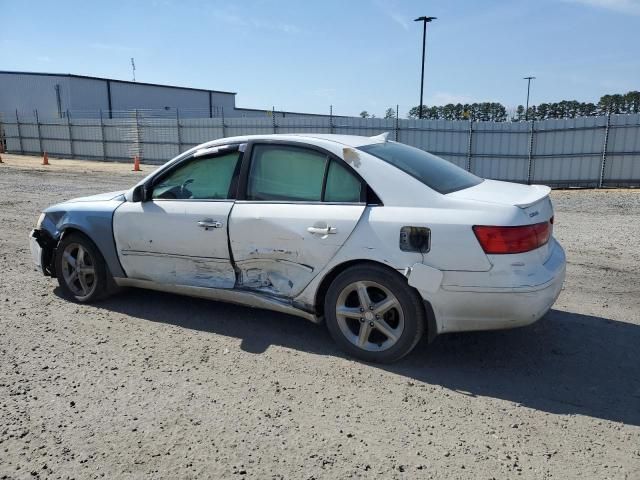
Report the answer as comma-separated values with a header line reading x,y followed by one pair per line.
x,y
435,172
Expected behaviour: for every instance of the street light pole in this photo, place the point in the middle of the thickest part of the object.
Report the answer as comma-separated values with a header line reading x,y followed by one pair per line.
x,y
424,21
528,79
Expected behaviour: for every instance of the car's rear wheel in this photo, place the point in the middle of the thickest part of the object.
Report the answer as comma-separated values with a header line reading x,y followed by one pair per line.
x,y
373,314
80,269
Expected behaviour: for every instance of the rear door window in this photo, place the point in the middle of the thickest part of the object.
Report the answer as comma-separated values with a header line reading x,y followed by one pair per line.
x,y
286,173
342,185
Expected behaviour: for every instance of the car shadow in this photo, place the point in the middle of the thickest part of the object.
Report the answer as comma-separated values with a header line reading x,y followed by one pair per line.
x,y
566,363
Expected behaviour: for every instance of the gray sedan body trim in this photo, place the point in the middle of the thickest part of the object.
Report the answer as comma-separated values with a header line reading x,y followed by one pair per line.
x,y
92,218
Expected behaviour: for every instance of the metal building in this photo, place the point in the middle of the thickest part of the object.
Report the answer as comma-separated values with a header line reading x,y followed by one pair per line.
x,y
53,94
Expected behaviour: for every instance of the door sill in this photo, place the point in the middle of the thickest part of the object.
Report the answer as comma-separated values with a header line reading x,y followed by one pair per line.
x,y
240,297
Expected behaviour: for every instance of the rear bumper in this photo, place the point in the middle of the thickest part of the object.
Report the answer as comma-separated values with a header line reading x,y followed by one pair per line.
x,y
511,304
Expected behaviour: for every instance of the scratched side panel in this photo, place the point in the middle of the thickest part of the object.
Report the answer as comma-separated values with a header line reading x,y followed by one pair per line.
x,y
162,241
179,270
273,249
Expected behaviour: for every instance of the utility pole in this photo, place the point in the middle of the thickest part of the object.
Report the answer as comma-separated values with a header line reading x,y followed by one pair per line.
x,y
526,112
133,69
424,21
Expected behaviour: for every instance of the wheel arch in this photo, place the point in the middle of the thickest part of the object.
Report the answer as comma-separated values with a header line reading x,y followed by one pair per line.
x,y
70,229
331,275
97,226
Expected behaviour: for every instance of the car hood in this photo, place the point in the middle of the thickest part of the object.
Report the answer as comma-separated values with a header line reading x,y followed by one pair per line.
x,y
97,198
101,200
503,193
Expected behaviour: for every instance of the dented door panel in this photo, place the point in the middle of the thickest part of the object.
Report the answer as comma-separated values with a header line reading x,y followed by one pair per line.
x,y
278,248
175,242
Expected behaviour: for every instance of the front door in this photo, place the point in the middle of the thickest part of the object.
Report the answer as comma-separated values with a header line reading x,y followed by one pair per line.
x,y
299,208
179,236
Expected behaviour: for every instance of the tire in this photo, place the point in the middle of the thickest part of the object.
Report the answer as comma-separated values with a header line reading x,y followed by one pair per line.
x,y
92,283
369,332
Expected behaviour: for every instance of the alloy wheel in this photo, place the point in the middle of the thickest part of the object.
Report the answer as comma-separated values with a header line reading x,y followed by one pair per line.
x,y
78,270
369,316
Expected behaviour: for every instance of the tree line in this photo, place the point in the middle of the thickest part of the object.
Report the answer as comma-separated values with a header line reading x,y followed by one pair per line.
x,y
496,112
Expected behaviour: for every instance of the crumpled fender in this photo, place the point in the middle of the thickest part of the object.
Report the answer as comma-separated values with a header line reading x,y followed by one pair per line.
x,y
92,218
424,278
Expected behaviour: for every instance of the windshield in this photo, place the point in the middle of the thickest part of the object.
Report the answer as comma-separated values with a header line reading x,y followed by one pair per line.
x,y
435,172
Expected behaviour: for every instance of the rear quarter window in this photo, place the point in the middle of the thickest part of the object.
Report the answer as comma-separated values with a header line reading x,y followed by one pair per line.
x,y
435,172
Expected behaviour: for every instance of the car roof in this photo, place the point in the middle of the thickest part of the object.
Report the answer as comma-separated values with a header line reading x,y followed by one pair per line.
x,y
313,138
392,185
348,140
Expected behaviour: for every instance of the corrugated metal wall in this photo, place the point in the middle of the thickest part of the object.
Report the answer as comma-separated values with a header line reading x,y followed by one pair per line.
x,y
86,97
27,93
588,151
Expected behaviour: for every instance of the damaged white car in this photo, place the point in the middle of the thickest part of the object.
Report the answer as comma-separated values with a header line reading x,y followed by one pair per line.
x,y
382,241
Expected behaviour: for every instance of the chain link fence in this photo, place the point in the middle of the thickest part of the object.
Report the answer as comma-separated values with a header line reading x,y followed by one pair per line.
x,y
599,151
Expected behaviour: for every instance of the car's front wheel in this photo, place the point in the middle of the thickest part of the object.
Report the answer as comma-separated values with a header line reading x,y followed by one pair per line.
x,y
80,269
373,314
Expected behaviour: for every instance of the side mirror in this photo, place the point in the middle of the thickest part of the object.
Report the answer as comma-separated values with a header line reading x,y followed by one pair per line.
x,y
139,194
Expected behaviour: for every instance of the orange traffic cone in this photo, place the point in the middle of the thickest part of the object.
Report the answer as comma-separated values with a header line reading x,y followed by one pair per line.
x,y
45,159
136,164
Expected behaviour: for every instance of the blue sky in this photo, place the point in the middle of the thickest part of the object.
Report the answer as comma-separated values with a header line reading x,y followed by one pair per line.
x,y
355,54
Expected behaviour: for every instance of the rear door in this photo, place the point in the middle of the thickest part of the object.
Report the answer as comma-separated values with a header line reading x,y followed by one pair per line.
x,y
297,206
179,235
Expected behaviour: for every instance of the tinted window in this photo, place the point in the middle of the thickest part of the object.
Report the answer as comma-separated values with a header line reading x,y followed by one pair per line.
x,y
280,172
342,185
435,172
199,178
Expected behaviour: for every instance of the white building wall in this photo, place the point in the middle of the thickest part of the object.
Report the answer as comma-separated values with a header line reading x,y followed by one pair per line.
x,y
88,95
129,96
85,97
28,92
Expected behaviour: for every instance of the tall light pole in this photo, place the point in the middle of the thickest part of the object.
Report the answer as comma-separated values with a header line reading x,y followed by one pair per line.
x,y
424,21
528,79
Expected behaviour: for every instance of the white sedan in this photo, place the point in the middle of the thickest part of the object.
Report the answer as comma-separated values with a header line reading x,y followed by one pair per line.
x,y
382,241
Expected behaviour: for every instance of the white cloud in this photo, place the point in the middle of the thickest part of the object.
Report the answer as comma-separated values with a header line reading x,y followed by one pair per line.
x,y
242,21
390,9
623,6
400,20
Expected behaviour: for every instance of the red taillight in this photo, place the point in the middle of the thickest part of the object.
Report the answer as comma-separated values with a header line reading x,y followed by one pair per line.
x,y
500,240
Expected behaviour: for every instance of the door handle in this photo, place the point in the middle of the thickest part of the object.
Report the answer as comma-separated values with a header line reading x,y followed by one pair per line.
x,y
207,223
322,230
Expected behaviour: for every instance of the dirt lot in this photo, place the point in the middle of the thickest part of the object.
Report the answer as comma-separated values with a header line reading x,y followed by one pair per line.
x,y
151,385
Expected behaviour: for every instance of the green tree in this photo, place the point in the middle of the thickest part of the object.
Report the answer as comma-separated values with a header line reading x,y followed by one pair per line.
x,y
632,100
364,114
390,113
519,116
415,112
588,109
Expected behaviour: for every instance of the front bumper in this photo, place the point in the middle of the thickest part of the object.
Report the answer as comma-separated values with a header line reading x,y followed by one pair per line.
x,y
514,303
36,251
42,248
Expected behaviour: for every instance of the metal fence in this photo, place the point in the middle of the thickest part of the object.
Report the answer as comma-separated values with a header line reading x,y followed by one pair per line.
x,y
586,151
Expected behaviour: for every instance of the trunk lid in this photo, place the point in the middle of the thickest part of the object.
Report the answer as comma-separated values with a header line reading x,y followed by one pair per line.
x,y
504,193
532,200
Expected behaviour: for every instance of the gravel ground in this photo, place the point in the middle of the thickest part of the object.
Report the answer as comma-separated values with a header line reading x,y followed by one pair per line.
x,y
150,385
